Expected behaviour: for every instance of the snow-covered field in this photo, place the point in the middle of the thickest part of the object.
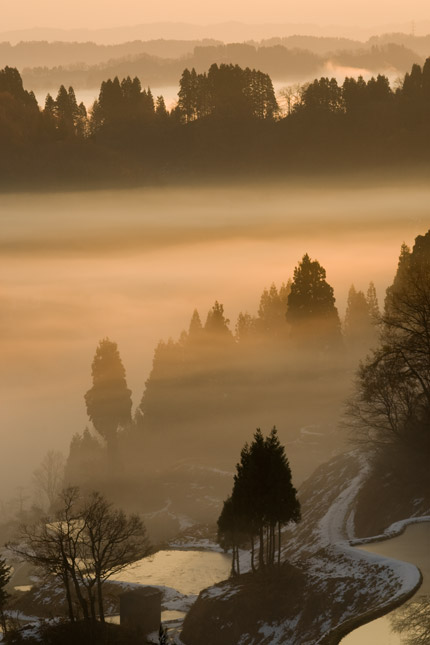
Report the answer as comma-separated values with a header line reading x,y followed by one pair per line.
x,y
347,582
351,581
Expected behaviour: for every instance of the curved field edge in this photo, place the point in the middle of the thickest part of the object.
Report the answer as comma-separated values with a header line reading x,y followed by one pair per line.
x,y
397,528
344,587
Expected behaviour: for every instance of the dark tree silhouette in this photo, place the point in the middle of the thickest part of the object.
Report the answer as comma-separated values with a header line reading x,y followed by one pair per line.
x,y
233,531
230,111
226,92
263,497
311,311
109,400
111,541
85,543
412,621
392,403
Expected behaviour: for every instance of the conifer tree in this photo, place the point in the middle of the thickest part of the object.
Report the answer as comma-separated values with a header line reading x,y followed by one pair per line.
x,y
245,327
372,303
263,497
216,323
311,312
160,109
195,329
359,323
109,400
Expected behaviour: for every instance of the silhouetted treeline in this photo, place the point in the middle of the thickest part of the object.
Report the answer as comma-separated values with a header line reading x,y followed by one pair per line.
x,y
288,363
226,92
226,123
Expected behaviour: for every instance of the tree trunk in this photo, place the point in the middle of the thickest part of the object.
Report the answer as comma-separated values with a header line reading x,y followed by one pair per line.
x,y
252,554
273,542
100,600
261,554
237,560
68,596
279,544
79,595
233,562
92,602
3,622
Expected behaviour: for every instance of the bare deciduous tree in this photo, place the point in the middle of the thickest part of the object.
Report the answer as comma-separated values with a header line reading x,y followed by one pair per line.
x,y
290,96
87,542
392,402
48,478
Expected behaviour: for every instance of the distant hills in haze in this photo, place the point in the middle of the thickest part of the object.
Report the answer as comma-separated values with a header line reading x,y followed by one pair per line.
x,y
226,32
161,62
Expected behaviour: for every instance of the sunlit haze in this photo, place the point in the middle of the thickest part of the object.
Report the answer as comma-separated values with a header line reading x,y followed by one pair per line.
x,y
214,322
99,14
134,265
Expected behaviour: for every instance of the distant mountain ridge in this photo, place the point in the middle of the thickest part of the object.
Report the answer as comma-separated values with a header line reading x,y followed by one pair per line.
x,y
226,31
36,53
284,64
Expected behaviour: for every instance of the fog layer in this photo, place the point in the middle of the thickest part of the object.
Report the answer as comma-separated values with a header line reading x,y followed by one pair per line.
x,y
133,265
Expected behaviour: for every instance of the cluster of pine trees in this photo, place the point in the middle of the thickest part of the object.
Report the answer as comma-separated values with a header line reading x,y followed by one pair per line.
x,y
226,121
263,500
206,389
227,92
213,380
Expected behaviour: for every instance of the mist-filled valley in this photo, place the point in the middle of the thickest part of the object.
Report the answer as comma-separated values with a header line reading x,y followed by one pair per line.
x,y
214,332
134,265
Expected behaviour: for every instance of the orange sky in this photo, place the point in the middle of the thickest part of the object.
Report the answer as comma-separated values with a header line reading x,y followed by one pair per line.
x,y
21,14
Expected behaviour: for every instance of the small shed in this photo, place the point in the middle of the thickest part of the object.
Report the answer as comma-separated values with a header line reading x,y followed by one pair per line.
x,y
140,609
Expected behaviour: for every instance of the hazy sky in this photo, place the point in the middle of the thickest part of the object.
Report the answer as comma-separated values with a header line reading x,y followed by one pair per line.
x,y
108,13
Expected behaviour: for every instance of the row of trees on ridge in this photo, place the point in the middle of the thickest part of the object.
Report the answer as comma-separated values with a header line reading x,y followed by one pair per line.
x,y
225,121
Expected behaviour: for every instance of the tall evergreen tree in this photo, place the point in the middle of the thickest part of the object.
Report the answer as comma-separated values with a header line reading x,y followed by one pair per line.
x,y
246,326
195,329
263,497
108,402
359,323
272,310
216,322
160,109
311,312
372,303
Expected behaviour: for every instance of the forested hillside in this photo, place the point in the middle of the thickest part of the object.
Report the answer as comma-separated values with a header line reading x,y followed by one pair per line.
x,y
226,123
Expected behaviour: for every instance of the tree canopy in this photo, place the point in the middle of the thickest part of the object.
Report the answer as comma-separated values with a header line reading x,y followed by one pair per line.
x,y
109,400
311,312
392,403
226,121
263,497
85,542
